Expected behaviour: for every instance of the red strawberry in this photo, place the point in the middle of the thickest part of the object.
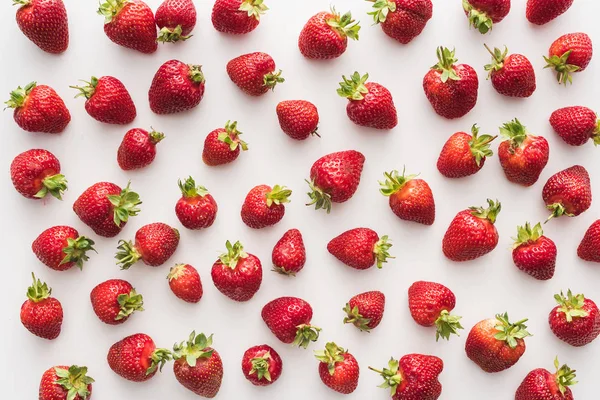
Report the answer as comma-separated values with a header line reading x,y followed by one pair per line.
x,y
41,314
298,118
326,34
129,23
534,253
61,247
196,209
430,304
451,88
334,178
338,369
223,145
254,73
264,206
66,383
589,248
289,254
185,283
237,274
106,208
176,87
154,245
541,384
45,23
237,16
261,365
108,100
36,173
511,75
198,367
568,54
464,154
472,233
402,20
483,14
136,358
138,148
568,192
115,300
289,320
360,248
175,20
576,319
541,12
576,125
410,199
38,109
365,310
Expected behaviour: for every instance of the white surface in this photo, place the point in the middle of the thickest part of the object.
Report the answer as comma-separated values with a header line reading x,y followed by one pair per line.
x,y
87,151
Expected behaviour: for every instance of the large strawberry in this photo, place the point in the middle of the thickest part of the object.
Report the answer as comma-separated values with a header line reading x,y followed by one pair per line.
x,y
175,20
129,23
568,192
185,283
60,248
138,148
589,248
568,54
45,23
198,367
464,154
237,16
38,108
289,319
430,304
541,384
360,248
534,253
289,253
136,358
511,75
576,125
402,20
36,173
223,145
365,310
176,87
326,34
298,118
261,365
41,313
338,369
254,73
575,320
66,383
410,199
154,245
107,100
237,274
196,209
265,205
115,300
483,14
541,12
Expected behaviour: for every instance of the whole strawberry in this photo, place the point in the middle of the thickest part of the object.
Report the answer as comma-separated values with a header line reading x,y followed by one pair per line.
x,y
568,54
541,384
534,253
289,254
261,365
298,118
60,248
360,248
138,148
237,274
334,178
45,23
154,245
410,199
541,12
589,248
483,14
464,154
223,145
196,209
185,283
41,314
254,73
265,205
108,100
402,20
451,88
198,367
237,16
66,383
576,125
115,300
136,358
175,20
325,35
472,233
130,23
575,320
289,320
511,75
568,192
430,304
365,310
338,369
38,108
36,173
176,87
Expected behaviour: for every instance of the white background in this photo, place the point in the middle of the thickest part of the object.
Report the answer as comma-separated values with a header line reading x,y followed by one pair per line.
x,y
489,285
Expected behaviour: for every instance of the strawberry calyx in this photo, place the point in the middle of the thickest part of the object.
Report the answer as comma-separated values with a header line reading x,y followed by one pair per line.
x,y
88,90
124,205
75,381
76,250
158,359
283,271
498,57
558,210
271,79
571,306
196,347
155,137
332,355
490,213
353,88
595,134
353,316
53,184
515,132
480,145
305,334
111,8
508,332
381,9
19,95
278,195
38,291
318,197
127,254
563,69
176,272
344,25
394,182
392,377
231,137
446,325
446,63
21,2
167,35
477,18
527,235
254,8
190,190
381,251
234,254
129,303
196,74
260,367
565,376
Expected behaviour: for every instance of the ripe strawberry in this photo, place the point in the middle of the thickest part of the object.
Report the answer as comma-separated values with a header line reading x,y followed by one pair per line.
x,y
175,20
334,178
483,14
36,173
138,148
264,206
106,208
325,35
430,304
464,154
41,314
196,209
410,199
589,248
576,319
154,245
115,300
534,253
289,254
254,73
261,365
541,384
360,248
576,125
176,87
541,12
223,145
365,310
511,75
198,367
61,247
472,233
298,118
568,54
38,109
66,383
237,274
289,320
45,23
136,358
338,369
237,16
568,192
184,281
130,23
402,20
108,100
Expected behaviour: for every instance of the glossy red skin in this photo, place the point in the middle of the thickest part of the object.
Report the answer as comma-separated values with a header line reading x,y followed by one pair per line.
x,y
541,384
298,118
589,248
581,46
137,150
489,353
453,99
524,164
289,252
248,71
540,12
495,9
49,245
130,357
50,390
284,314
188,287
105,302
420,377
427,300
375,110
345,376
537,259
227,18
43,111
456,159
469,237
197,212
370,305
575,125
205,378
275,364
111,102
216,152
134,27
516,78
29,169
319,41
571,188
156,243
338,174
95,210
173,13
241,283
45,23
414,202
409,19
255,212
44,318
173,90
355,247
581,330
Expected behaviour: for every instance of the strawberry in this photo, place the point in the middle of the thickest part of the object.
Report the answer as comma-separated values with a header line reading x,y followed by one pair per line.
x,y
45,23
589,248
106,208
261,365
541,12
576,125
265,206
334,178
36,173
237,16
360,248
38,108
138,148
541,384
402,20
198,367
568,192
136,358
254,73
472,233
568,54
196,209
61,247
338,369
410,199
365,310
223,145
107,100
483,14
115,300
185,283
176,87
369,103
464,154
289,320
237,274
66,383
298,118
511,75
41,314
534,253
575,320
129,23
430,304
325,35
154,245
175,20
289,254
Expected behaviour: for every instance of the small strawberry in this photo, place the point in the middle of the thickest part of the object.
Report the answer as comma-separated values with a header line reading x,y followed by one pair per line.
x,y
410,199
45,23
325,35
430,304
568,192
541,384
289,254
223,145
61,247
589,248
175,20
265,205
464,154
196,209
36,173
472,233
237,274
237,16
568,54
66,383
365,310
576,319
483,14
360,248
41,314
511,75
261,365
402,20
115,300
289,320
534,253
136,358
38,108
198,367
298,118
541,12
338,369
138,148
176,87
129,23
576,125
107,100
154,245
254,73
185,283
